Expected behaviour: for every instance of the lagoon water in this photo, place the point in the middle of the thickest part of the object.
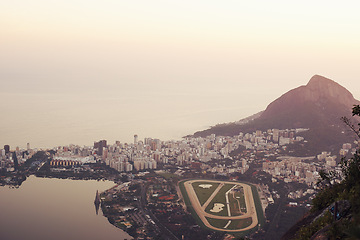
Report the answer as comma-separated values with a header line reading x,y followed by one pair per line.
x,y
56,209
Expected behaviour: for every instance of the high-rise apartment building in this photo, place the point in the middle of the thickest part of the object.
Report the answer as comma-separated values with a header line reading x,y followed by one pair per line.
x,y
99,146
7,149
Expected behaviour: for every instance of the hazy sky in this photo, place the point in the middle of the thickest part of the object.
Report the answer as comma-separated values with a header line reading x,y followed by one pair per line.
x,y
82,70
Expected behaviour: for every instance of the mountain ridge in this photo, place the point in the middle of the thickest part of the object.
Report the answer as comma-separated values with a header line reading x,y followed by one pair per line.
x,y
319,90
318,105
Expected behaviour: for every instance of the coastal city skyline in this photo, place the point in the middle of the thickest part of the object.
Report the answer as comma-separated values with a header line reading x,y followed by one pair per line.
x,y
80,71
179,119
156,164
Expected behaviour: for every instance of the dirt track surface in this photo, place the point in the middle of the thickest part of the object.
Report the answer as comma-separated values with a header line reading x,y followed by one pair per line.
x,y
200,210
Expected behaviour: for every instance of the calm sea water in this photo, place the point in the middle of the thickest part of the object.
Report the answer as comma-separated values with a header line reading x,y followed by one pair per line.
x,y
54,209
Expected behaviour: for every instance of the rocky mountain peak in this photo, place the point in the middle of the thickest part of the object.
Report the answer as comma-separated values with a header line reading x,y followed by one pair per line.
x,y
320,87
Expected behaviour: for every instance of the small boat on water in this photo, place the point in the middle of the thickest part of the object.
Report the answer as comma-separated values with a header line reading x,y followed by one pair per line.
x,y
97,197
97,202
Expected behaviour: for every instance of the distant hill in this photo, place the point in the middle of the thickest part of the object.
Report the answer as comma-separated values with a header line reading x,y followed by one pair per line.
x,y
319,105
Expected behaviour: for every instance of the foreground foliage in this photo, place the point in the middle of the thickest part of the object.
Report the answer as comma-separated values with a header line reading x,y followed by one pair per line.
x,y
338,224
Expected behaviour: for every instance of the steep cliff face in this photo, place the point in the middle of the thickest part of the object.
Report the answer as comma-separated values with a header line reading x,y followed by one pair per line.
x,y
320,88
320,101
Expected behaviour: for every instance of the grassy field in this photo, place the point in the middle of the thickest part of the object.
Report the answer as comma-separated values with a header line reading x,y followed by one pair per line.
x,y
242,201
258,205
240,224
259,212
234,204
202,193
167,175
220,198
235,224
189,206
218,223
239,195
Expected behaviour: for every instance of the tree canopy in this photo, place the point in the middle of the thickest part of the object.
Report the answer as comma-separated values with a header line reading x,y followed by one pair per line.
x,y
347,192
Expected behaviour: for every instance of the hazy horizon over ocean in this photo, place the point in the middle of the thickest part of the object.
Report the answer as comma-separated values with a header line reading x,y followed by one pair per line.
x,y
59,129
